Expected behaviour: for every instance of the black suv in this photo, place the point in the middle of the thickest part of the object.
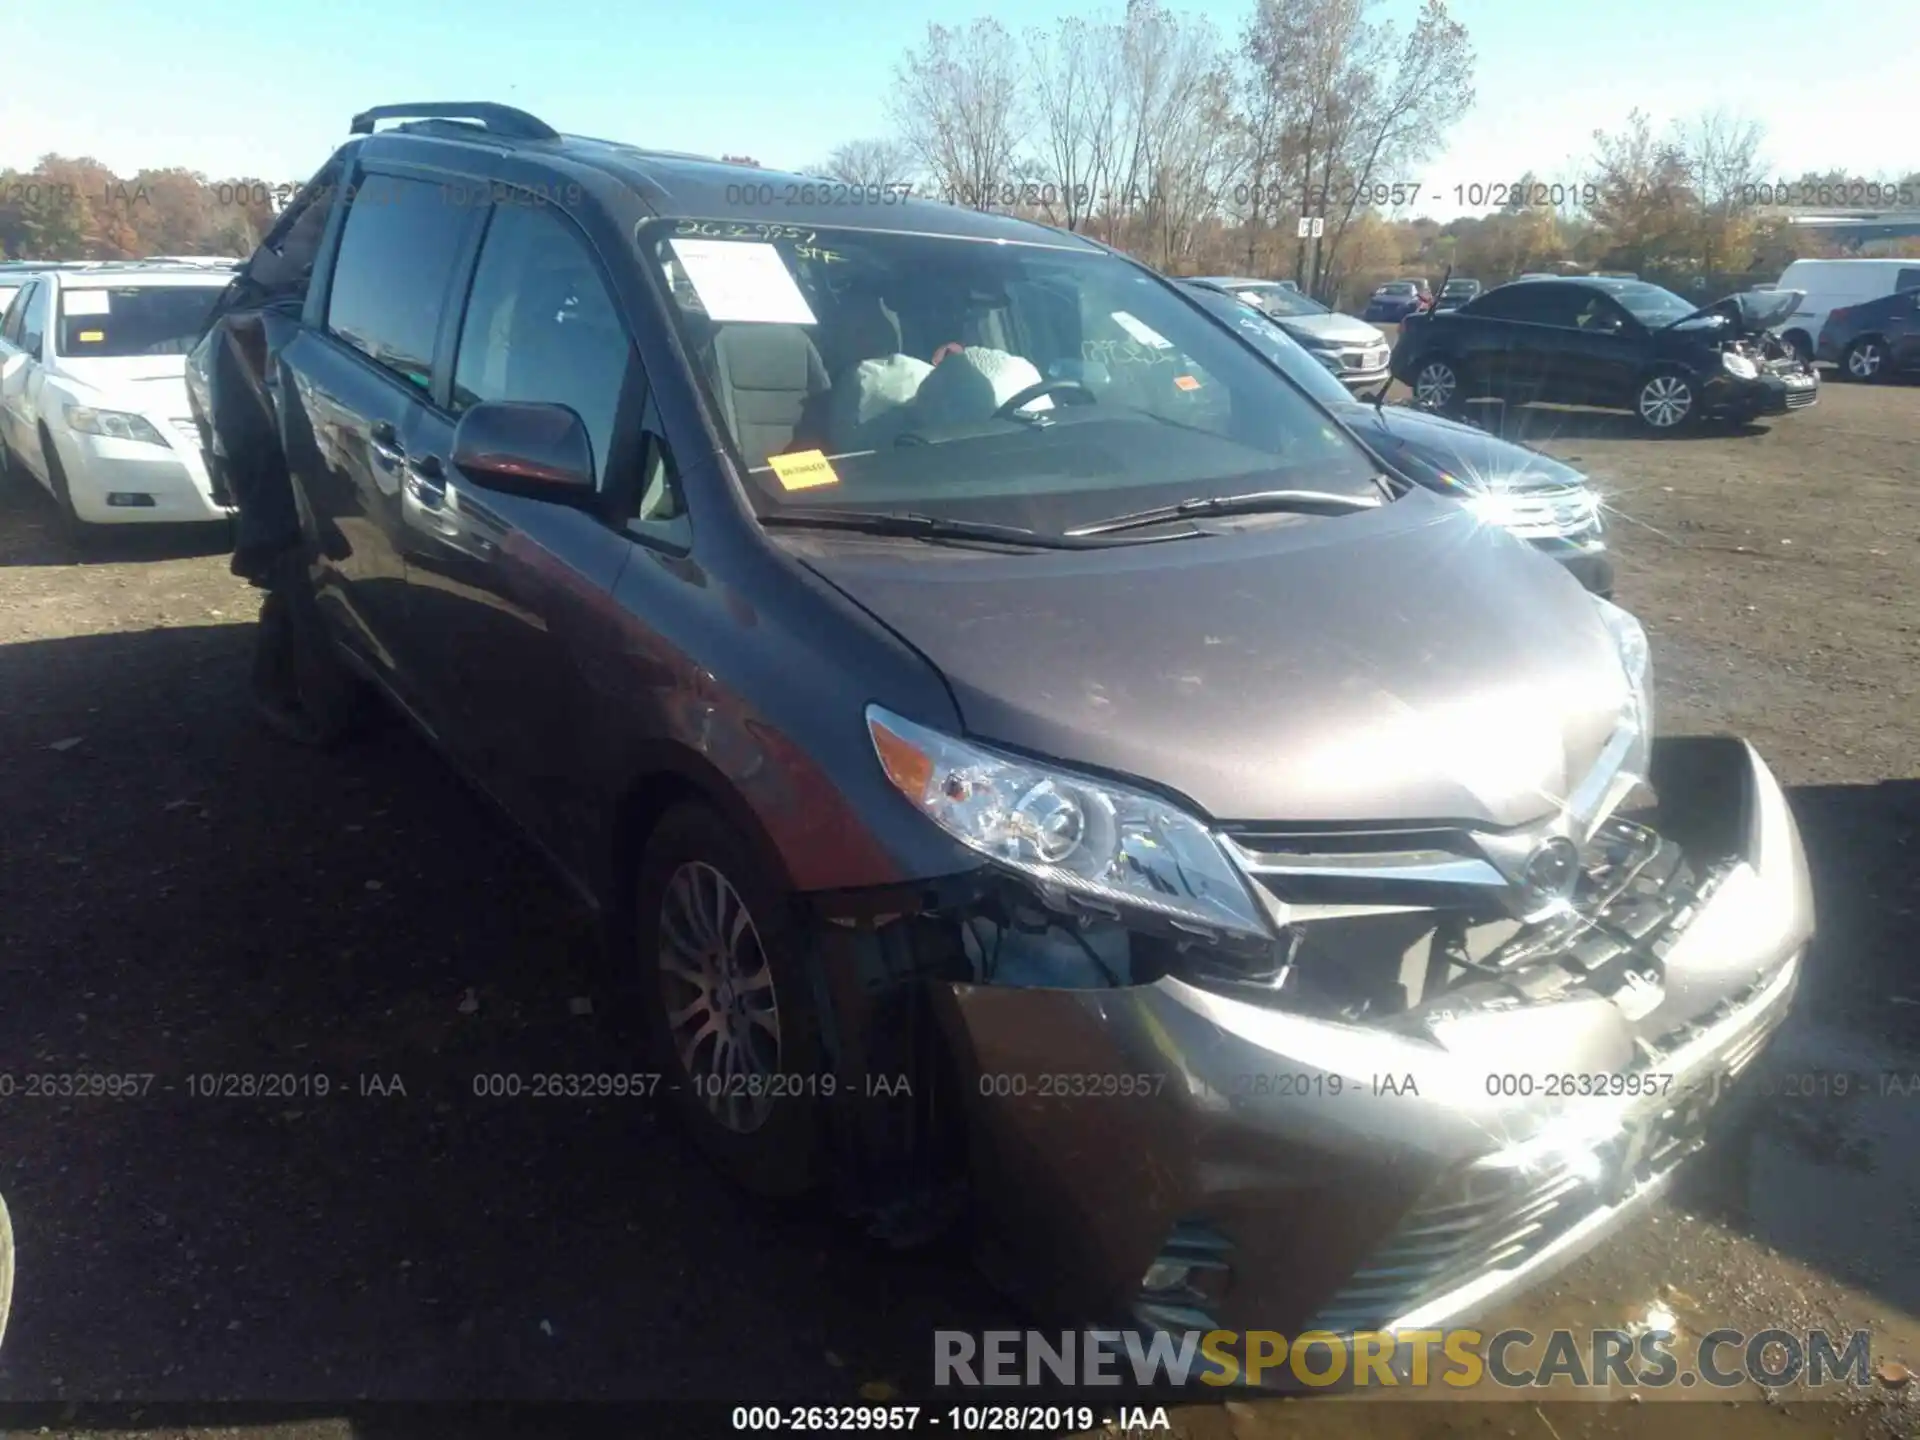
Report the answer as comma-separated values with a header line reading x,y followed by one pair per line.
x,y
1615,343
1874,340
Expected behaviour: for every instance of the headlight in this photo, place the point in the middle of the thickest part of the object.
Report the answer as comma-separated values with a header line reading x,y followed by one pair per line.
x,y
112,424
1636,658
1738,365
1072,833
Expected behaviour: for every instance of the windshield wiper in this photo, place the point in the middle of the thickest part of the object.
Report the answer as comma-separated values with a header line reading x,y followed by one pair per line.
x,y
912,525
1302,501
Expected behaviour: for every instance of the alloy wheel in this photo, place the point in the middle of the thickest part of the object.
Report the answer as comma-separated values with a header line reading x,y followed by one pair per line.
x,y
1863,361
1434,387
1665,401
721,1008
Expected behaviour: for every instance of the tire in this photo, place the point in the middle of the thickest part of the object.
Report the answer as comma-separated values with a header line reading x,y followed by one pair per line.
x,y
1437,384
302,690
1666,402
1865,360
80,534
696,865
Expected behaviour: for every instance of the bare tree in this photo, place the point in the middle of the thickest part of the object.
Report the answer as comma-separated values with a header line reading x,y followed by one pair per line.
x,y
1400,104
958,103
870,162
1070,107
1721,153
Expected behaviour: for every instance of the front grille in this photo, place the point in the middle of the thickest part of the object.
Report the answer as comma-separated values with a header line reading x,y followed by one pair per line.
x,y
1555,513
1800,399
1476,1221
1487,1217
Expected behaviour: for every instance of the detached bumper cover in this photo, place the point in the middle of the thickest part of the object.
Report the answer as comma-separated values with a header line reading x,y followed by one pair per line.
x,y
1277,1171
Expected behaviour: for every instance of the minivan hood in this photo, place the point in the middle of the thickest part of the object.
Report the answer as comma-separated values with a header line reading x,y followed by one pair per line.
x,y
1751,312
1403,664
1329,329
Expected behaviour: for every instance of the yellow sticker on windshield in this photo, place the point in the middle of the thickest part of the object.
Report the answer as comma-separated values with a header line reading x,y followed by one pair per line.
x,y
803,470
1186,382
92,337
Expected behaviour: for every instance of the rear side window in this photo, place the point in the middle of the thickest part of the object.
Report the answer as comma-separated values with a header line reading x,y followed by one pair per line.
x,y
1533,302
397,251
540,325
1908,279
133,320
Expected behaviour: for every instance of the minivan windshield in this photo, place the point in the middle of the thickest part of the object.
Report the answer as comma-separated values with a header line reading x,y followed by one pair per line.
x,y
122,321
1035,384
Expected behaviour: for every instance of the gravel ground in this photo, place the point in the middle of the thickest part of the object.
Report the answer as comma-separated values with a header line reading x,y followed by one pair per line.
x,y
181,895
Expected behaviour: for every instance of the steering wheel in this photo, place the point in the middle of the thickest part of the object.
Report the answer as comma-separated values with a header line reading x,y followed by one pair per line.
x,y
1080,395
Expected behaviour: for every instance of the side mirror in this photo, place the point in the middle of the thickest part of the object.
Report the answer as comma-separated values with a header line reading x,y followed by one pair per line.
x,y
539,451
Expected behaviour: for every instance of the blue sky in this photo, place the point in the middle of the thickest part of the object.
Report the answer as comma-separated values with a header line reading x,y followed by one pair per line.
x,y
267,87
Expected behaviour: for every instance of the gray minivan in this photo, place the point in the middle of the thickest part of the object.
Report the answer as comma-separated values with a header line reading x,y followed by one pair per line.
x,y
1027,759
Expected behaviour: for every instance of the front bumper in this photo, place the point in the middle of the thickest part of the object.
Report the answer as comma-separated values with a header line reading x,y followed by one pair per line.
x,y
1766,395
1588,563
1279,1171
171,480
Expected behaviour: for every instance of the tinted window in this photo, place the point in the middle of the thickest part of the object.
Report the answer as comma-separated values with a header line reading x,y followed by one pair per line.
x,y
142,320
1907,280
399,246
33,323
920,365
540,325
1533,301
1651,305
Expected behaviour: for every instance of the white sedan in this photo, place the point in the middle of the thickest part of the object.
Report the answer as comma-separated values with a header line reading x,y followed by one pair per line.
x,y
93,395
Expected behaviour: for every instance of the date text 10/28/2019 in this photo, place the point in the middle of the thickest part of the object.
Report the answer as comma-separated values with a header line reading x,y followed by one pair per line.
x,y
954,1420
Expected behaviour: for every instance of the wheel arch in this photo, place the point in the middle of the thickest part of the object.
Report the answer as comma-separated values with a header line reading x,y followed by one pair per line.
x,y
665,775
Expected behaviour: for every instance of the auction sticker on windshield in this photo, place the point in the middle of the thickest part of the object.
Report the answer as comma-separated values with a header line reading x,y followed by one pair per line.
x,y
803,470
743,280
84,302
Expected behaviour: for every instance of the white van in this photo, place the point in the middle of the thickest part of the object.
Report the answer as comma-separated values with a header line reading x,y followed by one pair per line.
x,y
1832,283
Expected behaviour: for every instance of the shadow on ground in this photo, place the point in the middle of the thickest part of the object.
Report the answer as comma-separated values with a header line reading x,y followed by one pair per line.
x,y
182,897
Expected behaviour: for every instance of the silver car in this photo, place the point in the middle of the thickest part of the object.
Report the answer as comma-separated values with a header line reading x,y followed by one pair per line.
x,y
1352,349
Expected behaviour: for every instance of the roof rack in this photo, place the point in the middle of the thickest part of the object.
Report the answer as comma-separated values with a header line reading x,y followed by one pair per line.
x,y
495,119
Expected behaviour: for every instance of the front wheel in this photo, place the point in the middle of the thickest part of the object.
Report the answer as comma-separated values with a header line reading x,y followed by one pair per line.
x,y
77,532
1865,361
727,1005
1666,402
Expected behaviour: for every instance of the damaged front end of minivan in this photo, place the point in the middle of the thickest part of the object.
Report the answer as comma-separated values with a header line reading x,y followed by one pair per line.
x,y
1337,1077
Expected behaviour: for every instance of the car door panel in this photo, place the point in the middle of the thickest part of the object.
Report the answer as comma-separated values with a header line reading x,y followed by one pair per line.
x,y
503,583
349,486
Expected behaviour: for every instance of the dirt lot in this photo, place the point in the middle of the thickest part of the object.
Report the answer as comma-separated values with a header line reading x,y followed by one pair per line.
x,y
181,896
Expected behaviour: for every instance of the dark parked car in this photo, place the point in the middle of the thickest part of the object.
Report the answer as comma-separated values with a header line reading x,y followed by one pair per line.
x,y
1022,751
1456,293
1874,340
1396,300
1349,348
1538,498
1621,344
